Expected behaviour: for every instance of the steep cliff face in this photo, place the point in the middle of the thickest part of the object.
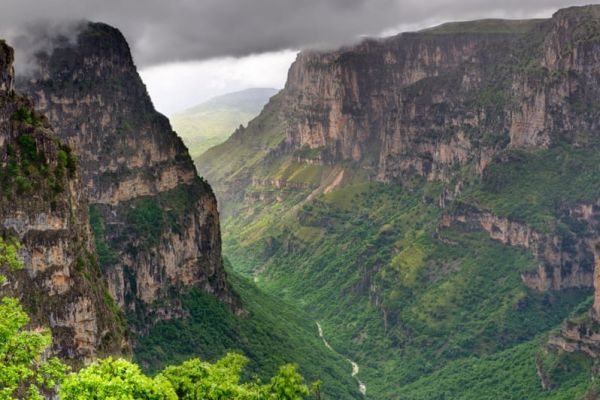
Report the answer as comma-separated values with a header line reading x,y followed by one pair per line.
x,y
421,103
42,206
399,104
156,223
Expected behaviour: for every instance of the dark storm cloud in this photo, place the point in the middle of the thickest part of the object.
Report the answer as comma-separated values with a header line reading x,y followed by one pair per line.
x,y
162,31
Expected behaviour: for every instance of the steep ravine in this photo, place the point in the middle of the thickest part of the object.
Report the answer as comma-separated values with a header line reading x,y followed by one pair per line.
x,y
465,220
355,368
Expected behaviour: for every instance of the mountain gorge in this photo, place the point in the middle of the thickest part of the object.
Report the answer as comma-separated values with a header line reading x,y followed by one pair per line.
x,y
122,239
432,199
411,217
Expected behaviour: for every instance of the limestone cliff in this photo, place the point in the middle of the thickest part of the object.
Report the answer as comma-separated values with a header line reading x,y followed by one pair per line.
x,y
155,221
421,103
42,206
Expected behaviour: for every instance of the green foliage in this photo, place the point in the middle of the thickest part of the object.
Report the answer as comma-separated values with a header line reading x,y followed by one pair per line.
x,y
192,380
24,371
533,186
24,185
106,255
8,256
197,380
507,375
29,169
26,115
145,218
273,333
28,146
66,161
115,379
307,152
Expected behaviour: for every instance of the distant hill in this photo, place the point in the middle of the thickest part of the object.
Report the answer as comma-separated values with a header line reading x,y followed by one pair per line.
x,y
211,122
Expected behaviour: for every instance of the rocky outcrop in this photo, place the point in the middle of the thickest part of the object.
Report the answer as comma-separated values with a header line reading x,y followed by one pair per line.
x,y
566,259
42,207
156,223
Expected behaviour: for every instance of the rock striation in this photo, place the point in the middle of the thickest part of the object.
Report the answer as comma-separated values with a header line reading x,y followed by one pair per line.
x,y
155,221
42,207
421,103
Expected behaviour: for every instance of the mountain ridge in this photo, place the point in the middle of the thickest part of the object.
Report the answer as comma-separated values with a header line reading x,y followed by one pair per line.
x,y
156,222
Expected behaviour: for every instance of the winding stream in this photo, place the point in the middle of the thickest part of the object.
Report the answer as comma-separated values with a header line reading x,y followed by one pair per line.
x,y
361,386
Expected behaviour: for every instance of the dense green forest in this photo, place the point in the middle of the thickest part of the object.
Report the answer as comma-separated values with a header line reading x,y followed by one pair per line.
x,y
272,333
450,303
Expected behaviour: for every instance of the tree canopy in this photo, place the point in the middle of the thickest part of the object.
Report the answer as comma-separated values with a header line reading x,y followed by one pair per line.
x,y
26,372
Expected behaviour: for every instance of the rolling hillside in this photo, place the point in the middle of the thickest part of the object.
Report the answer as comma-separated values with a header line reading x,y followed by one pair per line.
x,y
211,122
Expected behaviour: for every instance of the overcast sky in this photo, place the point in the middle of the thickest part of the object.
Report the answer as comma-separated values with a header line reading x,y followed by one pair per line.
x,y
190,50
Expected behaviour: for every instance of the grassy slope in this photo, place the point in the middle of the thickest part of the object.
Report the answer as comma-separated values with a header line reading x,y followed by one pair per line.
x,y
529,186
211,123
444,303
271,335
457,316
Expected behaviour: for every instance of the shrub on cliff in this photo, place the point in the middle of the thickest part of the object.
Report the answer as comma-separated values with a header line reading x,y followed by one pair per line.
x,y
25,372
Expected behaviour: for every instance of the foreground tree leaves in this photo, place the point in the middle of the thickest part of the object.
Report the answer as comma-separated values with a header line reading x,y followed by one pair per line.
x,y
195,380
27,373
115,379
192,380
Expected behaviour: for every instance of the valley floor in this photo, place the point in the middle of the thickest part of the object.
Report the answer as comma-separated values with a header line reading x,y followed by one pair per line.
x,y
355,368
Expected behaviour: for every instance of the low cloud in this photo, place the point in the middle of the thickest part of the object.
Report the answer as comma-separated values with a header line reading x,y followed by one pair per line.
x,y
31,38
162,31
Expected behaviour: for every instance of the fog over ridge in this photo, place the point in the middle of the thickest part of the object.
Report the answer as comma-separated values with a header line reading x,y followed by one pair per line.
x,y
183,30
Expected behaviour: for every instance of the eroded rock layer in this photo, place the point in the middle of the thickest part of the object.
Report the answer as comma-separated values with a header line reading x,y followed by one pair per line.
x,y
43,208
421,103
155,221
